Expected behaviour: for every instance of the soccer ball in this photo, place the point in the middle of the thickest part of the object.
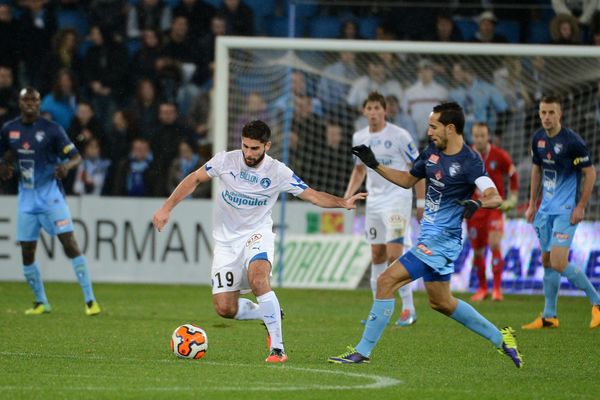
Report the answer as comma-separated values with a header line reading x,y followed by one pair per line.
x,y
189,341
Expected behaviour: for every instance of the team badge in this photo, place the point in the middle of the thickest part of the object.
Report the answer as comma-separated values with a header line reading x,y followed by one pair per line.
x,y
541,143
265,183
558,148
387,144
14,135
39,136
454,169
492,165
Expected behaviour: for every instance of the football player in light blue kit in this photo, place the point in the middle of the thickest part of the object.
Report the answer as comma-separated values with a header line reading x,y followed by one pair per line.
x,y
452,171
38,148
560,159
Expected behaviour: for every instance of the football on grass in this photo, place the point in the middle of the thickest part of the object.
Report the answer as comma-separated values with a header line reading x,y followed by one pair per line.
x,y
189,341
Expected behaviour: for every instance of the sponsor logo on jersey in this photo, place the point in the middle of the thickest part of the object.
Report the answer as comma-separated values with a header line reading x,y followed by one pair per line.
x,y
433,158
26,145
424,249
454,169
61,223
39,135
248,176
253,239
25,149
580,160
541,143
237,200
438,175
374,142
14,135
561,237
68,148
265,183
387,144
558,148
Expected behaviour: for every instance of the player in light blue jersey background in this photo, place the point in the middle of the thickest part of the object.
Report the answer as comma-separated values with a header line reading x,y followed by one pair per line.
x,y
452,171
560,160
43,155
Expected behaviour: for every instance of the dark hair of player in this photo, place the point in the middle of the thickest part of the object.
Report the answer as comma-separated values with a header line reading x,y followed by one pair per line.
x,y
551,99
375,97
257,130
28,90
451,113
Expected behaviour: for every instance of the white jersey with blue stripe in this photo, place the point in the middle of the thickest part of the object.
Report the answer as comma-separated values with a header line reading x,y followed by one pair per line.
x,y
247,194
394,148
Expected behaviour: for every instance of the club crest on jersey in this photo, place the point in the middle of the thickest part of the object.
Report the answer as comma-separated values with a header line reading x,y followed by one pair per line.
x,y
433,158
558,148
265,183
14,135
39,135
253,239
387,144
454,169
541,144
492,165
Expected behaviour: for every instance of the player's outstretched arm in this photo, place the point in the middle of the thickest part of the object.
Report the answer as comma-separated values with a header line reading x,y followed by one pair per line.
x,y
326,200
400,178
183,190
359,173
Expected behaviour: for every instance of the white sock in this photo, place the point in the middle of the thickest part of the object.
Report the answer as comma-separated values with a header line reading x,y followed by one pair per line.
x,y
376,270
247,310
406,295
271,316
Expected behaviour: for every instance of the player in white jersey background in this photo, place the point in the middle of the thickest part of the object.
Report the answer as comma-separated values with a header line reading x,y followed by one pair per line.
x,y
250,183
388,206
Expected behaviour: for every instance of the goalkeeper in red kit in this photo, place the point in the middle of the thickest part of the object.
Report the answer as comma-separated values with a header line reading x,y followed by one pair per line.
x,y
486,227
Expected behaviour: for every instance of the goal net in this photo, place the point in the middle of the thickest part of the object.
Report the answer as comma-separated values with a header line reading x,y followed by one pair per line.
x,y
311,91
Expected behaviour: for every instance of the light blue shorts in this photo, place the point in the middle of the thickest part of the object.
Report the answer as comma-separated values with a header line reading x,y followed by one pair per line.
x,y
438,252
554,230
55,221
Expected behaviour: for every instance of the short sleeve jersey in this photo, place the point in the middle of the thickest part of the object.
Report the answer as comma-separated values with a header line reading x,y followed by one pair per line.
x,y
246,194
394,148
561,159
449,178
38,148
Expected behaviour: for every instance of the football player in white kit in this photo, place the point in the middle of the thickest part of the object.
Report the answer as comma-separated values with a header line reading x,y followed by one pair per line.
x,y
388,206
250,183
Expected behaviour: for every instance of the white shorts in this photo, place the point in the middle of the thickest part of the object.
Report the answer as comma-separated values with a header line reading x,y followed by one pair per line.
x,y
388,226
229,272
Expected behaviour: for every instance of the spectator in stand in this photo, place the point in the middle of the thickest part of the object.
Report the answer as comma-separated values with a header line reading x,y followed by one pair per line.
x,y
198,14
148,14
199,122
239,17
144,61
487,29
187,161
109,15
9,30
144,105
336,81
397,115
582,10
178,46
421,97
64,55
122,134
165,140
61,102
349,30
376,80
445,30
479,100
92,172
306,134
255,109
136,176
205,55
299,88
85,126
106,72
564,29
37,27
9,108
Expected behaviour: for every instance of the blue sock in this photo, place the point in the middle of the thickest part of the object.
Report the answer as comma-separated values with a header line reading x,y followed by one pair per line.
x,y
578,278
470,318
551,286
378,319
81,271
34,279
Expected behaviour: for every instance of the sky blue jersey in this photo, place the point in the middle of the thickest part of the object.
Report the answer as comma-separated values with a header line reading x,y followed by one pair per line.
x,y
37,149
561,159
449,178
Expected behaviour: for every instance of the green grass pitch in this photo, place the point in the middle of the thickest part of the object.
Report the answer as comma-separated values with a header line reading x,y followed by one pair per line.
x,y
124,352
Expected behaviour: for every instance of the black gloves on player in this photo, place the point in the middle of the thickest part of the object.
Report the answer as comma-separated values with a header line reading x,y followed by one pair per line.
x,y
470,207
366,156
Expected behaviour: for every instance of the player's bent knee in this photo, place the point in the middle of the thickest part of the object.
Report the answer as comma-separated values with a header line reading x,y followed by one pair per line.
x,y
226,310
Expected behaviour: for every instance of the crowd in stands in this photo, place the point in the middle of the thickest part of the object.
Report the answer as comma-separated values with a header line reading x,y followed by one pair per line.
x,y
131,80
